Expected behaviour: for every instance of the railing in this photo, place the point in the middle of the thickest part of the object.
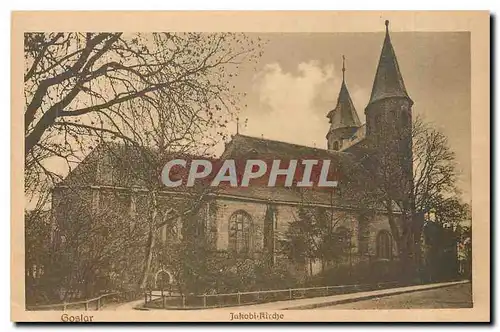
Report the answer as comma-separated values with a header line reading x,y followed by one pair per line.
x,y
96,303
239,298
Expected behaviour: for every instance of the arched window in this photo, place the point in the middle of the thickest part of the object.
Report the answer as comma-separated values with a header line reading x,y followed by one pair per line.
x,y
343,246
336,145
384,245
240,227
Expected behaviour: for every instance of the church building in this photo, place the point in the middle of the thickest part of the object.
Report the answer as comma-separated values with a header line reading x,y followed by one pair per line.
x,y
253,221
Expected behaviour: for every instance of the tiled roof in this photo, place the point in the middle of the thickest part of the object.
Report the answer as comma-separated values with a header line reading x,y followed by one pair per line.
x,y
246,146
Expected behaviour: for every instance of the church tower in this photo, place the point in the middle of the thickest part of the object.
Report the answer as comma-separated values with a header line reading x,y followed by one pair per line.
x,y
389,122
344,120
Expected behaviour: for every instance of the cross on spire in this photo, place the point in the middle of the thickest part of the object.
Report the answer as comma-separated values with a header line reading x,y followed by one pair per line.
x,y
237,125
344,115
343,68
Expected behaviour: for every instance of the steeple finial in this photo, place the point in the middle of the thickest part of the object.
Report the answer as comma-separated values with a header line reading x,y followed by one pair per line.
x,y
387,26
343,68
237,125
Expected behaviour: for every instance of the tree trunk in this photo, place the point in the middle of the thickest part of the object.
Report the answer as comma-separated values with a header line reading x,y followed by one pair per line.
x,y
417,229
394,227
408,258
403,239
149,259
150,241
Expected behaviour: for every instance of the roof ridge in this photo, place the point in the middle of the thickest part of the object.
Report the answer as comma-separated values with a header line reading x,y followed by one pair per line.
x,y
283,142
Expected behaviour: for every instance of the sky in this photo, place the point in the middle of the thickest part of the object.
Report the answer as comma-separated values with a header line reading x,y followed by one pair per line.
x,y
296,83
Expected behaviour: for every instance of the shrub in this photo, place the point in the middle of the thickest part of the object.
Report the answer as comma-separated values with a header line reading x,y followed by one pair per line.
x,y
361,273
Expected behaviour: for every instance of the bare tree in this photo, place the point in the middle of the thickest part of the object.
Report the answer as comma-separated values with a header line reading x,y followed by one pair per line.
x,y
434,167
406,196
81,88
155,94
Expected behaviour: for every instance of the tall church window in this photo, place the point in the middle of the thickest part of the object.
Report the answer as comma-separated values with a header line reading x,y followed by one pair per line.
x,y
384,245
240,227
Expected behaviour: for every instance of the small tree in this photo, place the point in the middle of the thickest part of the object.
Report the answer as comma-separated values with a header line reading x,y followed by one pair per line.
x,y
465,250
38,231
312,235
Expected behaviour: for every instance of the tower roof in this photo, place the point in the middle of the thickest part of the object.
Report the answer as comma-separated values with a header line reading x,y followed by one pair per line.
x,y
344,114
388,79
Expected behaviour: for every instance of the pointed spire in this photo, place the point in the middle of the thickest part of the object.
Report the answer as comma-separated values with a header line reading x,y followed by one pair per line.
x,y
344,115
388,79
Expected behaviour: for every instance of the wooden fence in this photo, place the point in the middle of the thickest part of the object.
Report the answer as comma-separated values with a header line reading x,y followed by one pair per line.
x,y
96,303
162,300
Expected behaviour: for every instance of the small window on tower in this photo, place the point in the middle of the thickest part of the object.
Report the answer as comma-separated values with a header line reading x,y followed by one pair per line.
x,y
404,118
377,121
336,145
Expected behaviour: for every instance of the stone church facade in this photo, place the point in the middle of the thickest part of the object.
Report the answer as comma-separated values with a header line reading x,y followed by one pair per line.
x,y
254,220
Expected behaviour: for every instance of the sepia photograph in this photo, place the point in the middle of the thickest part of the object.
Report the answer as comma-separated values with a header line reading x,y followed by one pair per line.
x,y
215,175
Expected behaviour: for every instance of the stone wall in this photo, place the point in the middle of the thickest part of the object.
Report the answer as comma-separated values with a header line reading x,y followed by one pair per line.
x,y
285,214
